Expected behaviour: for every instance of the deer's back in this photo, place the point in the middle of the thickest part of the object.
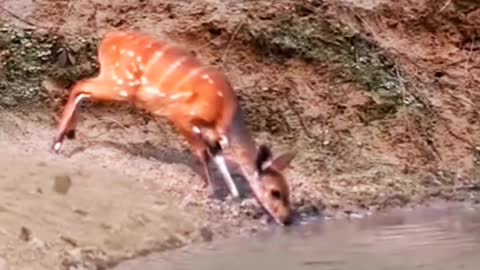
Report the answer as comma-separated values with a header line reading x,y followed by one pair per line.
x,y
165,79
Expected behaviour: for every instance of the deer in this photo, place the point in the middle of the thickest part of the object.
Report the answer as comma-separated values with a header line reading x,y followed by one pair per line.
x,y
197,99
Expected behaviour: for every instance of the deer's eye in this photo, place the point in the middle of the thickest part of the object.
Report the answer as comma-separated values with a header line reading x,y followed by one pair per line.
x,y
276,194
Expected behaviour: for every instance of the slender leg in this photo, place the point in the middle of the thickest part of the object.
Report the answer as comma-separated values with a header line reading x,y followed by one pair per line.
x,y
97,89
204,160
215,151
67,122
222,166
199,149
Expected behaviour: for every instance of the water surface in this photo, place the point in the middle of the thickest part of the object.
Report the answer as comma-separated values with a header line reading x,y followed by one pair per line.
x,y
434,238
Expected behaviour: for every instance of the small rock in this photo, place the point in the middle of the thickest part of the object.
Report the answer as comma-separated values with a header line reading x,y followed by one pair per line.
x,y
38,244
206,234
62,184
25,234
249,203
69,240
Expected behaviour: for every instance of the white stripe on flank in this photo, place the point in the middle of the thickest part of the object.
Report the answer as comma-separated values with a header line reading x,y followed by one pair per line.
x,y
172,68
154,91
194,72
156,57
181,95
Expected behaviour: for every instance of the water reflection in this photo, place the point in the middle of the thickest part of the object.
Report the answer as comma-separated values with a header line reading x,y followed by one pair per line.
x,y
441,237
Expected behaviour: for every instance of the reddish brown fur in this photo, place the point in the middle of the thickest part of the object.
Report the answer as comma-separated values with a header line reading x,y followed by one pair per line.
x,y
191,95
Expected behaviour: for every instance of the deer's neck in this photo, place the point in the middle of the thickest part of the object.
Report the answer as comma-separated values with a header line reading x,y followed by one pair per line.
x,y
242,145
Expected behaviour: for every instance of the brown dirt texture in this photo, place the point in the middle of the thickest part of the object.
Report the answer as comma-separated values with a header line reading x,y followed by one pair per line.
x,y
379,98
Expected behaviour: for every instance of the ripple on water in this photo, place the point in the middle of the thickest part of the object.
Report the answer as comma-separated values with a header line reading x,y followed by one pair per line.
x,y
428,239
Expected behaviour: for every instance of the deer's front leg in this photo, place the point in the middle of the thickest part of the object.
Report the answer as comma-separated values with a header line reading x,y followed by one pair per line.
x,y
214,150
67,123
94,89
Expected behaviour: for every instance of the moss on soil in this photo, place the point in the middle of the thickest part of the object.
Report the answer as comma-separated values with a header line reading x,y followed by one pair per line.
x,y
356,57
28,57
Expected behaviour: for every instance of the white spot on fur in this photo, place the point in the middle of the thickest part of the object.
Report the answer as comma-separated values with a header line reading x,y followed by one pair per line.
x,y
219,93
144,80
134,83
120,82
139,59
123,93
122,51
223,142
206,77
196,130
131,53
57,146
117,64
130,76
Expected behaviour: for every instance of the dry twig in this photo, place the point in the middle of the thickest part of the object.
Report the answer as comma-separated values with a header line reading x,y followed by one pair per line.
x,y
225,54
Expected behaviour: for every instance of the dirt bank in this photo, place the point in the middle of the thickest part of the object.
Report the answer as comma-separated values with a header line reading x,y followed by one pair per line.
x,y
379,99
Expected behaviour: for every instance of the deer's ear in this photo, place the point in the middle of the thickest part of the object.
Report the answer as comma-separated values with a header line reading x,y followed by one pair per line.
x,y
264,154
281,162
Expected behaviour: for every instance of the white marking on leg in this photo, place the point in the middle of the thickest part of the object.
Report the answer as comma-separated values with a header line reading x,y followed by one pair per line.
x,y
57,146
223,142
222,165
77,100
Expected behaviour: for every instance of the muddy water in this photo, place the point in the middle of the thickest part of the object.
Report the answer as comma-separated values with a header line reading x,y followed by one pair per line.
x,y
441,237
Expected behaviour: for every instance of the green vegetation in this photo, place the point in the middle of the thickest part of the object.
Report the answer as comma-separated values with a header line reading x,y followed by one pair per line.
x,y
27,58
356,57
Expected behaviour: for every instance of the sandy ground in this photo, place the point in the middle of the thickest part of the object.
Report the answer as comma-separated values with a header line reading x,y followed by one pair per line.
x,y
128,186
101,202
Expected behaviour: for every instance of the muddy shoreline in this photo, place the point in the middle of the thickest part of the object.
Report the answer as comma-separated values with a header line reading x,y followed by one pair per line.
x,y
379,99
